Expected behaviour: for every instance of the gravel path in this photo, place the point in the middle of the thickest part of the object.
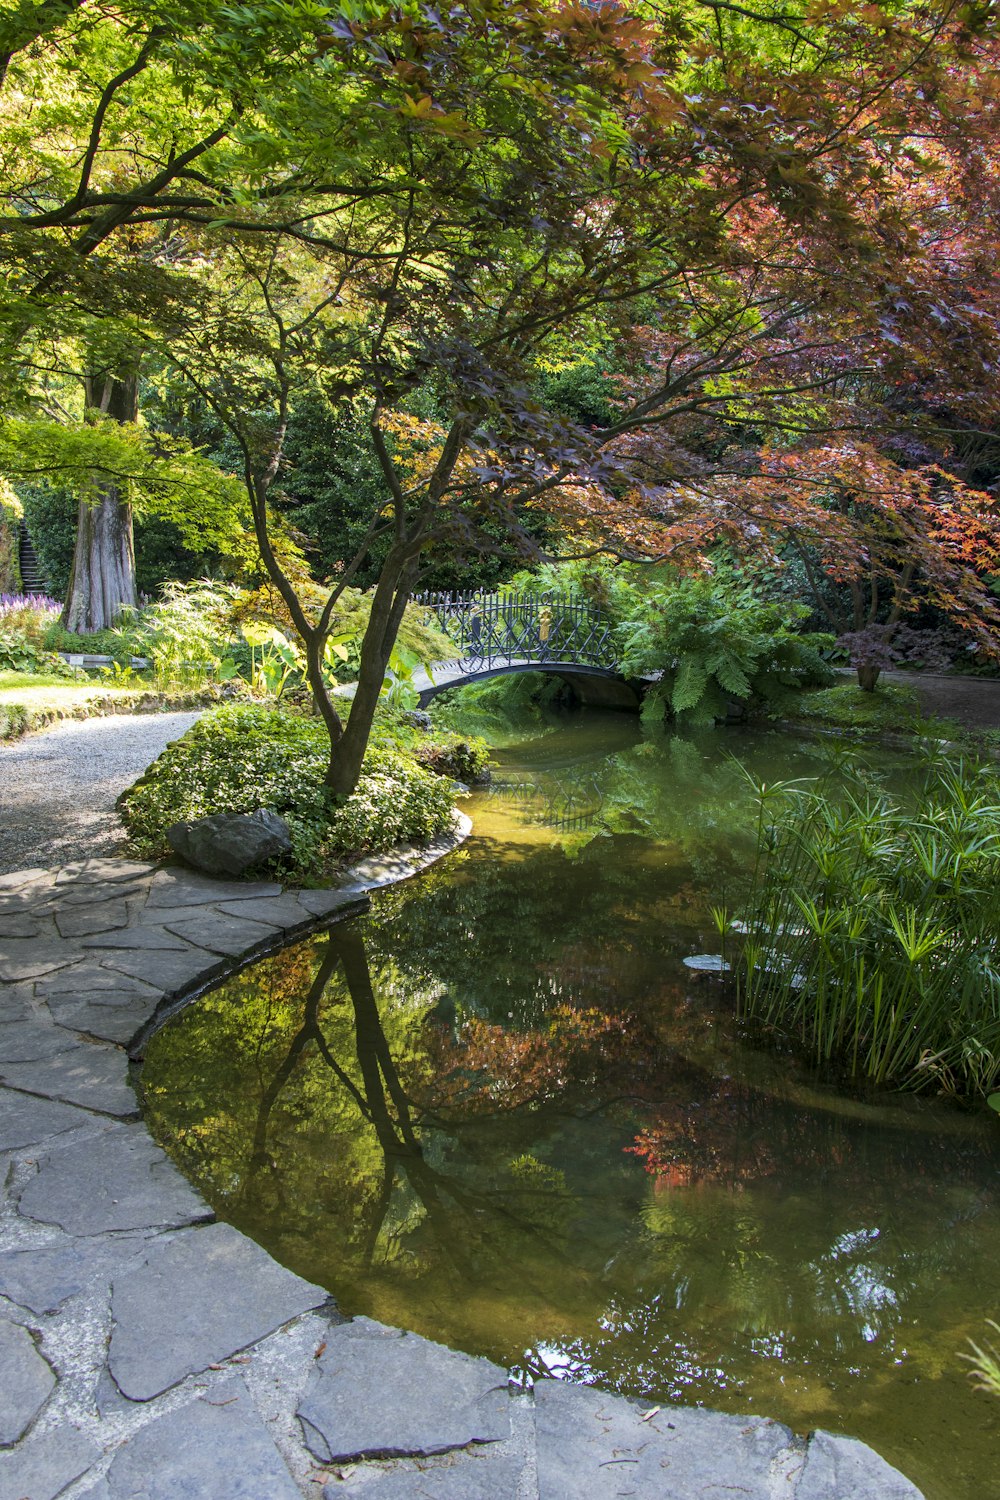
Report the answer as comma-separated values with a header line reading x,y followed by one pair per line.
x,y
58,787
973,702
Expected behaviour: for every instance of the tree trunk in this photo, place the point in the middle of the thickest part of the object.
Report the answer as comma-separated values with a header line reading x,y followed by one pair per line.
x,y
102,578
868,676
391,595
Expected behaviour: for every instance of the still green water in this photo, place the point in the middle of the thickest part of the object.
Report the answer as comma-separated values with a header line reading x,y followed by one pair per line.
x,y
501,1111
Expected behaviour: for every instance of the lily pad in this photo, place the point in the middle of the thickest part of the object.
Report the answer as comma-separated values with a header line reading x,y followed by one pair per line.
x,y
707,963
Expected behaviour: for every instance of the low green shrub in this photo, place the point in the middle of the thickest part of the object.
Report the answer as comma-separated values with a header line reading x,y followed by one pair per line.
x,y
872,933
247,756
97,643
21,652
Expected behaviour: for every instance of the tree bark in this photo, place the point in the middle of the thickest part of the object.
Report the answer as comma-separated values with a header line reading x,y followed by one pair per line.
x,y
391,596
102,578
868,676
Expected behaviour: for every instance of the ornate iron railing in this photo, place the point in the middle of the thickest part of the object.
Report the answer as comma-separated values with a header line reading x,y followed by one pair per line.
x,y
569,804
499,629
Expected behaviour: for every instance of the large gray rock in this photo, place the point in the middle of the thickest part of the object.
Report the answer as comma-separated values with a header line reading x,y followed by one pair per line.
x,y
25,1380
197,1298
841,1468
592,1445
119,1180
378,1393
45,1463
231,843
202,1452
25,1120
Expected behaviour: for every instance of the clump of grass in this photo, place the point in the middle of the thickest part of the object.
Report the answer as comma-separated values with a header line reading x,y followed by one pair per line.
x,y
985,1363
872,934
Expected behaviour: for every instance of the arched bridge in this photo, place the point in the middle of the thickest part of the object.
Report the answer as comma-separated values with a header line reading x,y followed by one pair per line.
x,y
498,634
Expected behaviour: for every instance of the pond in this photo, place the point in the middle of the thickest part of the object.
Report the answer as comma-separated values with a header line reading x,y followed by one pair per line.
x,y
501,1111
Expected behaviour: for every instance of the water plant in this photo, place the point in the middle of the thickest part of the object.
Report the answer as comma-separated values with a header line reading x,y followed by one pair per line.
x,y
985,1364
871,935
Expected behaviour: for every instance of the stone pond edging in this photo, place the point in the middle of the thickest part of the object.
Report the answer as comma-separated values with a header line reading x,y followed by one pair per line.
x,y
147,1350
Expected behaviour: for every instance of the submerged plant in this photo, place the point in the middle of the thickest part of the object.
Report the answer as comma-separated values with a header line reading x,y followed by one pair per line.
x,y
872,933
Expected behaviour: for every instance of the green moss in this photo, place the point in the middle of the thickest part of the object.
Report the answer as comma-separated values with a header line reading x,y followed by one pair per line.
x,y
847,706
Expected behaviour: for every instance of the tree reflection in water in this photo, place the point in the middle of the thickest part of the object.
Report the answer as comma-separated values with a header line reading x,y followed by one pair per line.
x,y
500,1112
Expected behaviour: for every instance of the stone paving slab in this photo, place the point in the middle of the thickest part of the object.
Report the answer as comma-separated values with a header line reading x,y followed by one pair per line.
x,y
27,1121
103,871
16,880
196,1299
29,1040
26,958
287,910
45,1463
173,972
379,1393
91,917
226,935
89,978
19,925
179,887
216,1447
26,1381
838,1467
117,1020
119,1180
141,938
591,1444
43,1278
88,1073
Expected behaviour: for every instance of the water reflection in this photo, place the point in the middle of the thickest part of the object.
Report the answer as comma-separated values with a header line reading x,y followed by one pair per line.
x,y
500,1111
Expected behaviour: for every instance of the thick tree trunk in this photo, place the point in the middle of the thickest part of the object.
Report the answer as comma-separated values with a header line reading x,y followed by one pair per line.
x,y
868,676
102,579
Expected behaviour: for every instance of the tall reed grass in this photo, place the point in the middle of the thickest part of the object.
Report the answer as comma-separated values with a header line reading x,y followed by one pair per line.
x,y
872,932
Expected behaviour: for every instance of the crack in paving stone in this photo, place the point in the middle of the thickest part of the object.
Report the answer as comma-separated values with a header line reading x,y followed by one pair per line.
x,y
119,1180
42,1278
26,1379
89,1073
215,1446
376,1393
197,1298
26,1119
842,1468
46,1462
